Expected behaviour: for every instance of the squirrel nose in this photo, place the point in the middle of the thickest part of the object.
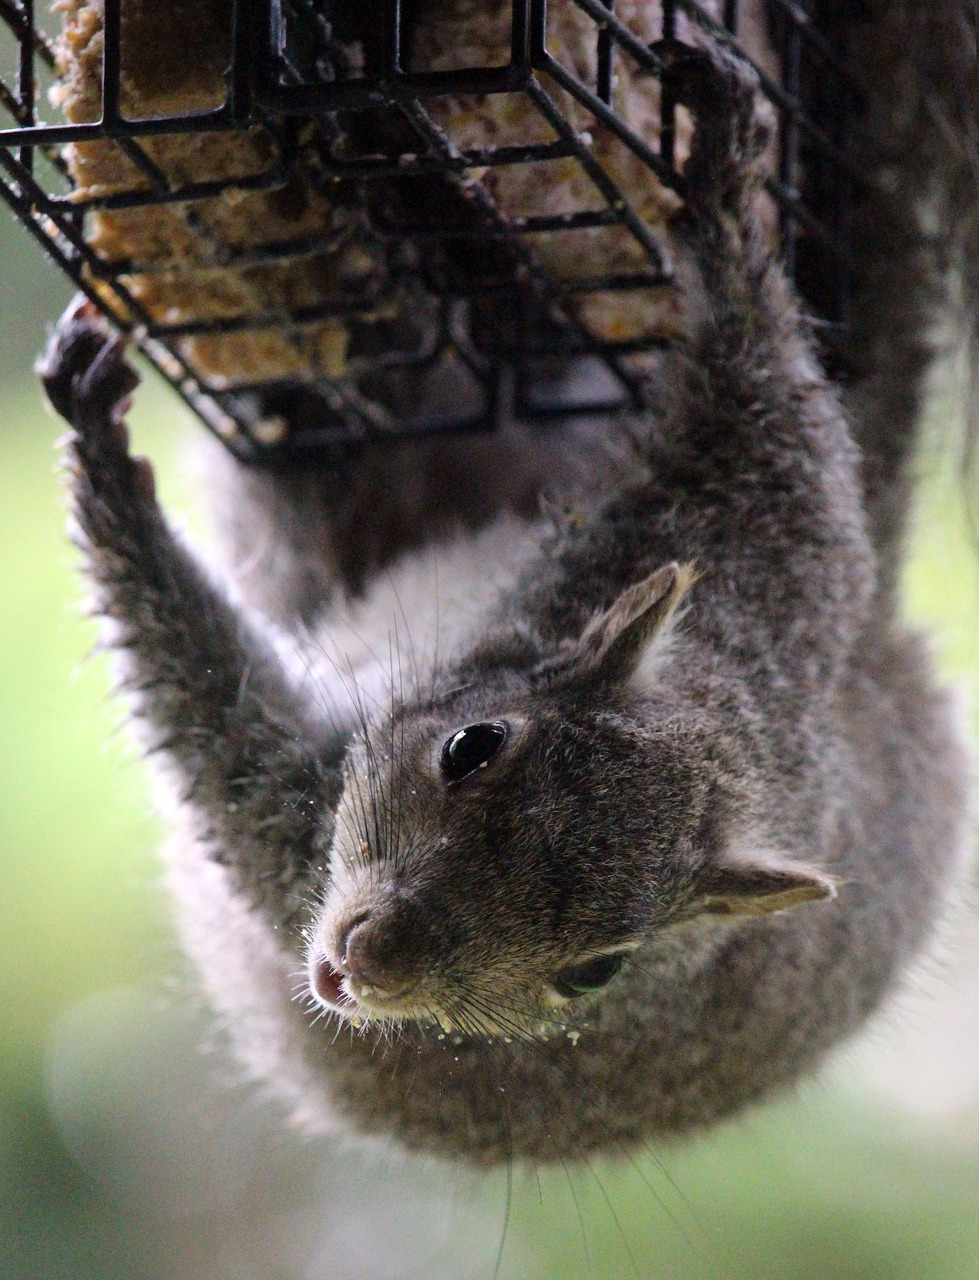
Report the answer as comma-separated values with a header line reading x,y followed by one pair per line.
x,y
382,950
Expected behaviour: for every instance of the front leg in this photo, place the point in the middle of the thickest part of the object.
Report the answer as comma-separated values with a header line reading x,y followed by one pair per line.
x,y
756,437
734,122
724,174
259,772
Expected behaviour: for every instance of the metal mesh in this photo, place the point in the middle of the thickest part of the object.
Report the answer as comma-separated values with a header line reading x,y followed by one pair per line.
x,y
459,318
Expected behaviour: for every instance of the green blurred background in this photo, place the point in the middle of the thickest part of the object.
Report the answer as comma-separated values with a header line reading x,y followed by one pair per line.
x,y
127,1149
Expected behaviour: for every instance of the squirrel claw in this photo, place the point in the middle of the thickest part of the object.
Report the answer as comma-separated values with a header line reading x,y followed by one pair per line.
x,y
82,370
734,122
87,380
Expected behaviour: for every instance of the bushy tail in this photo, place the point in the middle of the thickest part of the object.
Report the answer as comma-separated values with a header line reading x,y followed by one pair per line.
x,y
916,231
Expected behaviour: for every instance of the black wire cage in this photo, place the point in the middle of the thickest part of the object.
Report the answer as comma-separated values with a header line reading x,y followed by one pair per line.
x,y
325,228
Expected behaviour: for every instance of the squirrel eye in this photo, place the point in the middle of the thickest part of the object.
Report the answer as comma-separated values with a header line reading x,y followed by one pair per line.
x,y
591,975
470,749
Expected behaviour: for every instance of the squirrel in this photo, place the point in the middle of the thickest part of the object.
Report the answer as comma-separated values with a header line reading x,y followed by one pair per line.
x,y
628,843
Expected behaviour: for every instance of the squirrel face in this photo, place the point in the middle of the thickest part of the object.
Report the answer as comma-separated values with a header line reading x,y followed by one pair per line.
x,y
493,861
479,875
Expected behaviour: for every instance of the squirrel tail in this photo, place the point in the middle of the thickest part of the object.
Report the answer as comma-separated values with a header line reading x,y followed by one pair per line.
x,y
915,234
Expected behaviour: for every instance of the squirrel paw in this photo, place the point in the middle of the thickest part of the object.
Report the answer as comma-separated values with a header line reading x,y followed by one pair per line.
x,y
734,123
88,382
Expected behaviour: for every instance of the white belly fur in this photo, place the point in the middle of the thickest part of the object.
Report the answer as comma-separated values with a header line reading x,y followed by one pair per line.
x,y
427,608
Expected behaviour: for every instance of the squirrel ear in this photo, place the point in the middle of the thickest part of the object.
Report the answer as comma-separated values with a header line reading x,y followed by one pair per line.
x,y
759,883
614,641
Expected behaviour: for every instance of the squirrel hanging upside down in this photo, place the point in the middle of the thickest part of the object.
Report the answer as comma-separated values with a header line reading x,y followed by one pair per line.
x,y
604,840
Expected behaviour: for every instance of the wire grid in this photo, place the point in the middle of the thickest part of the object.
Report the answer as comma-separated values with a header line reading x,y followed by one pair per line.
x,y
459,296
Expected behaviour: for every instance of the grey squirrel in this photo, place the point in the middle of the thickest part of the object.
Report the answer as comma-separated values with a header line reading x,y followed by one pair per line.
x,y
625,846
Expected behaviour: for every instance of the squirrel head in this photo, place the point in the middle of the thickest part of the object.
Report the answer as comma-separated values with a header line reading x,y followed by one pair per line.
x,y
494,860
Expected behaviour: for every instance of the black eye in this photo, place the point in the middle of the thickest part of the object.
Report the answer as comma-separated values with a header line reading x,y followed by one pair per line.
x,y
591,975
470,749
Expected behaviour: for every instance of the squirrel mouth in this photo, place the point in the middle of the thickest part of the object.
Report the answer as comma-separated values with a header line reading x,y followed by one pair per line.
x,y
326,983
344,994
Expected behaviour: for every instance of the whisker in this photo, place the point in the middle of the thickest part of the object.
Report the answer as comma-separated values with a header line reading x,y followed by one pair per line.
x,y
630,1252
508,1203
577,1209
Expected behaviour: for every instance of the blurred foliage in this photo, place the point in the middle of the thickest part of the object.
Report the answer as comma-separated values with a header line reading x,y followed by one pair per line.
x,y
124,1149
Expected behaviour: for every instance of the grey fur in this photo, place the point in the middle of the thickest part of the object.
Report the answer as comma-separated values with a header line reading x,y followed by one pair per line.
x,y
916,232
744,780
